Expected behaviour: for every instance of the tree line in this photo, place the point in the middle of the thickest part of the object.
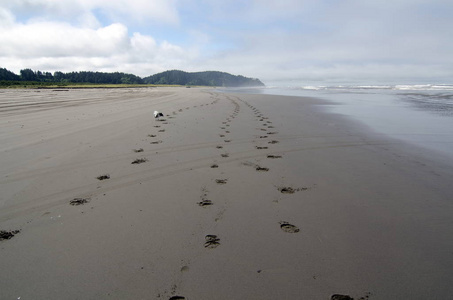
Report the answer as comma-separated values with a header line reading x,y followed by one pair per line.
x,y
173,77
29,75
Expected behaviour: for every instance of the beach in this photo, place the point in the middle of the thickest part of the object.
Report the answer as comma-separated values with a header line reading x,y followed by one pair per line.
x,y
229,196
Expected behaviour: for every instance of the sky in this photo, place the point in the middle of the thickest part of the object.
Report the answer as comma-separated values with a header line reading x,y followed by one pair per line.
x,y
284,42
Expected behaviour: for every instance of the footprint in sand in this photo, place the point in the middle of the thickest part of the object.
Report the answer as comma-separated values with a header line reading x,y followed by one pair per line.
x,y
177,298
261,147
274,156
341,297
227,141
139,161
212,241
290,190
103,177
272,132
79,201
205,202
156,142
214,166
273,142
7,235
138,150
263,136
225,155
151,135
219,147
162,130
286,227
261,169
157,126
221,181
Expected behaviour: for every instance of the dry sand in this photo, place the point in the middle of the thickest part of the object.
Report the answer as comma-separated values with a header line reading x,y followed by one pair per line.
x,y
335,209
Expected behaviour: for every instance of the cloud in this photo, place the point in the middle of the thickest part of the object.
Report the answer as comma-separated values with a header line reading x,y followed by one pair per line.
x,y
57,46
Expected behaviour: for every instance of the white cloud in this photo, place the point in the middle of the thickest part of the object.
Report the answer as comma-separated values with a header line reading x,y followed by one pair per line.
x,y
57,46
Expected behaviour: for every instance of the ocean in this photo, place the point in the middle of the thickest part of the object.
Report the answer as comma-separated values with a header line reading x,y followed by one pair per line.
x,y
421,115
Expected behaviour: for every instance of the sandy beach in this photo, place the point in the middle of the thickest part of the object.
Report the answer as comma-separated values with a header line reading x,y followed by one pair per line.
x,y
229,196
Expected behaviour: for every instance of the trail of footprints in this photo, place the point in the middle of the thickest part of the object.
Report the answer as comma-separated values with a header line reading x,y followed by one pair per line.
x,y
266,129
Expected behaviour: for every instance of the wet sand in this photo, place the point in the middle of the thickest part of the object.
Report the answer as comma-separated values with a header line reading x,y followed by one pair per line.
x,y
229,197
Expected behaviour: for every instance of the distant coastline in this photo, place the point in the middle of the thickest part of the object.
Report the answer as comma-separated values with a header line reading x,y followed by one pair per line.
x,y
30,78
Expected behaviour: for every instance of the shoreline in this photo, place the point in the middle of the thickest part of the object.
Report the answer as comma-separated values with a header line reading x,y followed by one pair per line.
x,y
236,196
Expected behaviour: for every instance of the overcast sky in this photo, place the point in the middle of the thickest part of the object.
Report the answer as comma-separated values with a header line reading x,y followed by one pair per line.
x,y
278,41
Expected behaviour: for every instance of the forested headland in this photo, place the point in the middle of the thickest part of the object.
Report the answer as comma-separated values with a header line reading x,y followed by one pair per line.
x,y
29,77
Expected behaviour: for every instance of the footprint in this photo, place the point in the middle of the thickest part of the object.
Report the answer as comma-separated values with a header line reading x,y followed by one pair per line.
x,y
219,147
274,156
177,298
286,227
225,155
214,166
157,126
205,202
103,177
221,135
139,161
221,181
151,135
7,235
273,142
138,150
272,132
261,148
156,142
227,141
261,169
263,136
211,241
79,201
162,130
341,297
290,190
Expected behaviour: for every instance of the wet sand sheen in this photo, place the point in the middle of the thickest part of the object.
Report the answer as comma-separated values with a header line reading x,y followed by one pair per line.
x,y
99,200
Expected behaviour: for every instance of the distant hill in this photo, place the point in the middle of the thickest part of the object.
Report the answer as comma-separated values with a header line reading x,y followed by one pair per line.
x,y
208,78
